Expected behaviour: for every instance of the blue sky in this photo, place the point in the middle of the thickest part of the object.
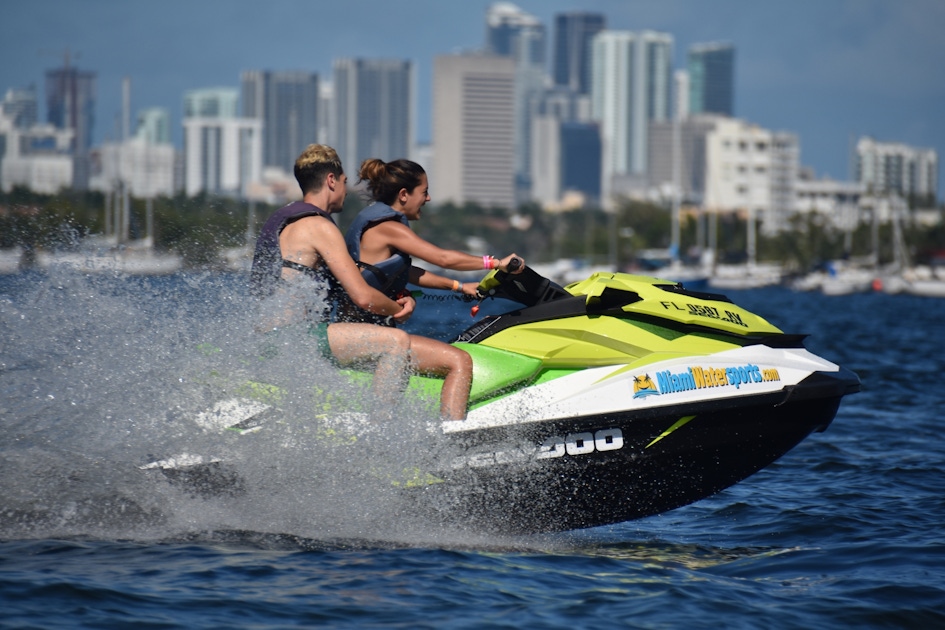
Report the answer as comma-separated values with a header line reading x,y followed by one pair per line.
x,y
828,70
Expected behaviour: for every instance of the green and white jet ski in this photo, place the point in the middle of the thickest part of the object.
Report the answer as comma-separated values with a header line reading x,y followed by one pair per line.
x,y
607,400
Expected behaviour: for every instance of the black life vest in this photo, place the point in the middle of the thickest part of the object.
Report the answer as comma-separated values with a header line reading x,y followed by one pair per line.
x,y
388,276
267,258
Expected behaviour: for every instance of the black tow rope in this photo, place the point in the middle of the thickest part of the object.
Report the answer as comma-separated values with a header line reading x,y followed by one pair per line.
x,y
443,297
450,297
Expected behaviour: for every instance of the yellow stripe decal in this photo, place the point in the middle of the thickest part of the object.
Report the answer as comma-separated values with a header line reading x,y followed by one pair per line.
x,y
679,423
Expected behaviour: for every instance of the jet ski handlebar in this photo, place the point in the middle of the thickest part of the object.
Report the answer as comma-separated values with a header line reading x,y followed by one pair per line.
x,y
526,287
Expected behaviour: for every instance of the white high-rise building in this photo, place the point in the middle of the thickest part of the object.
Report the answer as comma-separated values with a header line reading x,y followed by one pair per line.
x,y
326,112
222,153
885,167
785,173
474,129
681,94
631,87
751,169
222,156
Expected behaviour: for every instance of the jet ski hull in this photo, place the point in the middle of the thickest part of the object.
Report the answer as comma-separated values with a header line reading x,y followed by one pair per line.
x,y
580,470
598,470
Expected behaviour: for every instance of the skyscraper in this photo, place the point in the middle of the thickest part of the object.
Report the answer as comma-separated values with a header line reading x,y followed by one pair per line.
x,y
70,104
38,157
572,49
474,129
712,79
567,159
511,32
287,104
632,78
222,153
374,109
21,107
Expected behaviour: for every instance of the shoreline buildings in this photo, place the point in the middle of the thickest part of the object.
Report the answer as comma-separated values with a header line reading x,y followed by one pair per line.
x,y
598,116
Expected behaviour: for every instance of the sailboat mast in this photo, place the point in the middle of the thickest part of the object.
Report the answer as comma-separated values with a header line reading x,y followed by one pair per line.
x,y
125,232
675,229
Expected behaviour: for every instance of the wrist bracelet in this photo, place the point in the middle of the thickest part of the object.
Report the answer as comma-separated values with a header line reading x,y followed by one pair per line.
x,y
457,287
487,262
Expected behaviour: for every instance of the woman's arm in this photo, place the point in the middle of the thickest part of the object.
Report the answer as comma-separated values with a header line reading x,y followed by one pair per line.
x,y
332,250
401,237
430,280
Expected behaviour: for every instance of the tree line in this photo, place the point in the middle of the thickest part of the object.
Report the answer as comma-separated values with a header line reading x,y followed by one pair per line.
x,y
198,228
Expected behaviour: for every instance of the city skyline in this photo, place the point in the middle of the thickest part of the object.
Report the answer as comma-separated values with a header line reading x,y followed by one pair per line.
x,y
828,73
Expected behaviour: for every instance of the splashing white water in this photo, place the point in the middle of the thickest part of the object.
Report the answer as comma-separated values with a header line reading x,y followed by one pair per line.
x,y
100,376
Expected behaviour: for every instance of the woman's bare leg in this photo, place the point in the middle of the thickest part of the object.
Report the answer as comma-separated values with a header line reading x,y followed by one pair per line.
x,y
430,356
388,347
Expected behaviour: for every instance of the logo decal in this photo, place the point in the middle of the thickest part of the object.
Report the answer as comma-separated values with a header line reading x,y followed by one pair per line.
x,y
668,382
643,386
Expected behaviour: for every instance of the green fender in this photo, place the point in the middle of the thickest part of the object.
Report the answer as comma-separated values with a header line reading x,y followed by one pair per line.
x,y
494,370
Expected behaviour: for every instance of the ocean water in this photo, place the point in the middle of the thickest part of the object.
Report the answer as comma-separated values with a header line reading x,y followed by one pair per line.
x,y
99,374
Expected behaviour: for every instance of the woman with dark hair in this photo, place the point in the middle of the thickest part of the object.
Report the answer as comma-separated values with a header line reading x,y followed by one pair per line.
x,y
381,242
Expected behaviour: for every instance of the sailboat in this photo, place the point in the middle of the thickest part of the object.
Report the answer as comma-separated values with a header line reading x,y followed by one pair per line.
x,y
10,260
115,251
751,275
904,277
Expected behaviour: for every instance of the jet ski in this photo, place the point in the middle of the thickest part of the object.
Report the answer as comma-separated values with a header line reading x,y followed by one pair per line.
x,y
606,400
